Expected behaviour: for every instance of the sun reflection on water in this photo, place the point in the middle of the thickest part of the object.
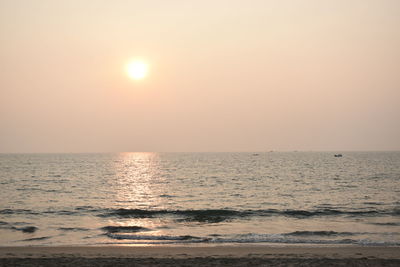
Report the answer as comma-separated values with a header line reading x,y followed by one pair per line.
x,y
137,181
139,184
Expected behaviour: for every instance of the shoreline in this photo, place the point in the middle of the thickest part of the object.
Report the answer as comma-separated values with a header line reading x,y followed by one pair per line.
x,y
200,256
201,251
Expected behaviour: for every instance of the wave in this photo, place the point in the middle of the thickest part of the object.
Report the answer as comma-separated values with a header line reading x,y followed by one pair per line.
x,y
18,211
219,215
61,212
27,229
124,229
206,215
157,237
318,233
38,212
280,240
37,238
246,238
387,223
73,229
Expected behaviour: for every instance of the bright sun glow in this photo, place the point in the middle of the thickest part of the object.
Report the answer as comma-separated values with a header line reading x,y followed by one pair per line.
x,y
137,70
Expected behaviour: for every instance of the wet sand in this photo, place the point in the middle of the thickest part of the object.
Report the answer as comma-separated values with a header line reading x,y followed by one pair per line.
x,y
200,256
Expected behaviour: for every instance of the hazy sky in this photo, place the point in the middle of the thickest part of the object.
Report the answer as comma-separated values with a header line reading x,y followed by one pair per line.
x,y
225,75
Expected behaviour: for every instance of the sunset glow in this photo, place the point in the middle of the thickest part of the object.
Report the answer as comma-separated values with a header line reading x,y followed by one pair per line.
x,y
199,133
137,70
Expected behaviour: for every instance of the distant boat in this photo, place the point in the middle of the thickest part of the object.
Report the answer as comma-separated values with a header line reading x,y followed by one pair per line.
x,y
255,154
338,155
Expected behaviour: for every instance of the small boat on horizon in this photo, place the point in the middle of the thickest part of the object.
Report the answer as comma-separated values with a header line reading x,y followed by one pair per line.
x,y
338,155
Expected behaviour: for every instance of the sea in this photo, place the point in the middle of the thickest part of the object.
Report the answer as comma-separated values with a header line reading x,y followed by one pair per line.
x,y
151,199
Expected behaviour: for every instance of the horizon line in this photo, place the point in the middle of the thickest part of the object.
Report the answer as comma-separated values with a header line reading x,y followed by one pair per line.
x,y
243,151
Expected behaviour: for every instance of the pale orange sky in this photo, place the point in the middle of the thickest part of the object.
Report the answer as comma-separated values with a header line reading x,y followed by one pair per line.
x,y
224,75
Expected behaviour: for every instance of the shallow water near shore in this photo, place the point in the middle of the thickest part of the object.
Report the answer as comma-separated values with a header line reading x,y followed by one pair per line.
x,y
200,198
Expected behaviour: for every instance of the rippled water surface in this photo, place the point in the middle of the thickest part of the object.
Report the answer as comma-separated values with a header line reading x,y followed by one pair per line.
x,y
205,198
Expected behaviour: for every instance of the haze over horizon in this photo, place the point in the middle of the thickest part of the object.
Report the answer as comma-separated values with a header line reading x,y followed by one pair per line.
x,y
223,76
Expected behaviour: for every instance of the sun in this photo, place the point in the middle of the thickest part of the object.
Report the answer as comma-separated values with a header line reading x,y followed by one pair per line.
x,y
137,69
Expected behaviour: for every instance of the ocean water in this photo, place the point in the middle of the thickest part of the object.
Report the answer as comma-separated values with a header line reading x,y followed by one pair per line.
x,y
200,198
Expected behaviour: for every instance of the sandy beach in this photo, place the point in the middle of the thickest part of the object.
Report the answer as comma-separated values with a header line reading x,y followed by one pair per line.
x,y
200,256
